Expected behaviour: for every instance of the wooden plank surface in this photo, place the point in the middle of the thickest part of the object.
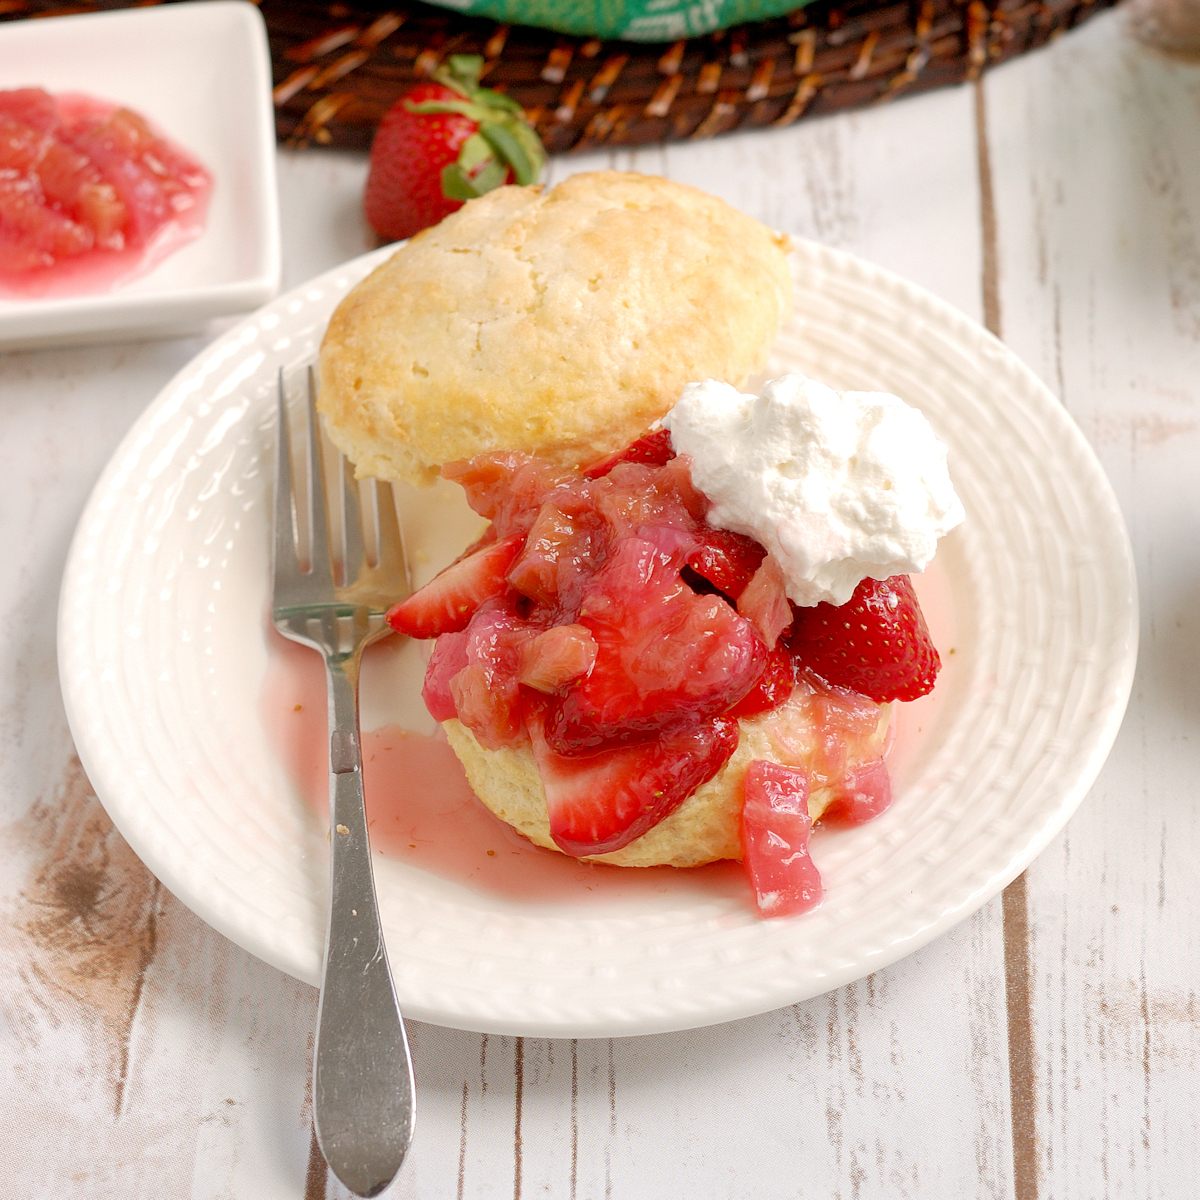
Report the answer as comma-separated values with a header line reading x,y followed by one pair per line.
x,y
1096,151
146,1056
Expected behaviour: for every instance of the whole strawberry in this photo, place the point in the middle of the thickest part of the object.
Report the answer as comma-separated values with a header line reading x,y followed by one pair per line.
x,y
443,143
876,643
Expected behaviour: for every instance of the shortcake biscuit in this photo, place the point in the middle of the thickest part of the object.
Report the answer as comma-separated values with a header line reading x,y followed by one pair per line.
x,y
558,322
706,827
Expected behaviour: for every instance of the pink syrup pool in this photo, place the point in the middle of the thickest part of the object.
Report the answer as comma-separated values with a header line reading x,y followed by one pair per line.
x,y
92,196
422,811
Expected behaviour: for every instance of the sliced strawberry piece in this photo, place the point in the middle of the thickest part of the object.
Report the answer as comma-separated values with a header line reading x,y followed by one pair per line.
x,y
775,833
877,643
554,658
654,449
665,657
773,687
727,560
448,601
861,794
764,601
600,802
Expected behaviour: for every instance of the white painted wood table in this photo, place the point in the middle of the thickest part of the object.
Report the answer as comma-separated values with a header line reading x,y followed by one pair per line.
x,y
1048,1047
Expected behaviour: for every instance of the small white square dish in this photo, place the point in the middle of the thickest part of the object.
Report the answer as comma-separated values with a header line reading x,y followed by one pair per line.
x,y
201,73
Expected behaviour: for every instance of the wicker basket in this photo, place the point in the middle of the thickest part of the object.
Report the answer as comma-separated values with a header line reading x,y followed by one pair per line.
x,y
338,67
336,75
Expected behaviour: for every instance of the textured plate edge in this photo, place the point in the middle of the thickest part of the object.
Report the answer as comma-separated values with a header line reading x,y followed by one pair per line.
x,y
1115,709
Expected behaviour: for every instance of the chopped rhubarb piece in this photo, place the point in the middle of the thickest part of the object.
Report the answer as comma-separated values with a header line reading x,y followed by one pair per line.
x,y
486,694
30,106
773,687
862,794
448,658
876,643
507,487
764,601
775,832
727,560
634,498
600,802
147,206
654,449
562,551
666,656
556,657
449,600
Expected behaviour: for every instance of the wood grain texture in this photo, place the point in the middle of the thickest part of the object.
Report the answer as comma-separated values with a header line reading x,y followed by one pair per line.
x,y
1097,165
148,1057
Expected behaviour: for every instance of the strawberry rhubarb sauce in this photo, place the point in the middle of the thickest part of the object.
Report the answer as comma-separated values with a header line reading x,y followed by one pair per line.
x,y
91,195
605,626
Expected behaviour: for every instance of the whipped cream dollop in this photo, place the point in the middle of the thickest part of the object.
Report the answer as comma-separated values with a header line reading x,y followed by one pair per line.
x,y
837,486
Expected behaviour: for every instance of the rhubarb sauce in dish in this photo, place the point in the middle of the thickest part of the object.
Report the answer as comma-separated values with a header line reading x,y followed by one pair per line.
x,y
91,195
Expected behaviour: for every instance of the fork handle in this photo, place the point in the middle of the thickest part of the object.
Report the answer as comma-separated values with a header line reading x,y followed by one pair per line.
x,y
362,1079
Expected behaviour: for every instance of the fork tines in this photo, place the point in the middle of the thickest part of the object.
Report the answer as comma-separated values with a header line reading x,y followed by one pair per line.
x,y
343,539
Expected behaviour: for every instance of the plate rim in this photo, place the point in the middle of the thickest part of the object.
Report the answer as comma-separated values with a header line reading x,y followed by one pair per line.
x,y
1100,746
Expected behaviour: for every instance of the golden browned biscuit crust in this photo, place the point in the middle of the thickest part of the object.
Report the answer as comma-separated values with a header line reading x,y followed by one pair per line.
x,y
561,323
707,825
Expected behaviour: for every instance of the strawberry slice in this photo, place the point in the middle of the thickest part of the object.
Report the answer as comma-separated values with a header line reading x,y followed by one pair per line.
x,y
665,655
448,601
877,643
727,560
654,449
775,832
600,802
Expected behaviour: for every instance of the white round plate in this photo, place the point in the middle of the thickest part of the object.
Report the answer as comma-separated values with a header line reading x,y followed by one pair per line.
x,y
164,653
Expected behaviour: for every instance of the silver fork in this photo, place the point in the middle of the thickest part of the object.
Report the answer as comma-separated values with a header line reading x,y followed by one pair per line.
x,y
363,1097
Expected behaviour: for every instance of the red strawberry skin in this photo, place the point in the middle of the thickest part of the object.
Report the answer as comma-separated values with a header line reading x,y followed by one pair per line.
x,y
601,802
877,643
404,184
447,602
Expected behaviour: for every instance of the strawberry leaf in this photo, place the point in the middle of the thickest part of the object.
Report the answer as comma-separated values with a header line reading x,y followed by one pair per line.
x,y
475,152
508,146
494,99
465,108
456,183
490,176
461,72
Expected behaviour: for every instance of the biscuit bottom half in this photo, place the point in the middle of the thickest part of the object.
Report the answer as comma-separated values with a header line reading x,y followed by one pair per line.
x,y
828,735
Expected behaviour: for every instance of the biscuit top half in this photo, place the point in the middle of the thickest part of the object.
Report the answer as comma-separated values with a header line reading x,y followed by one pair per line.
x,y
562,323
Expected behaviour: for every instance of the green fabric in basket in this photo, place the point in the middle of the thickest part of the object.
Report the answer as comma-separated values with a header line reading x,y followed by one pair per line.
x,y
634,20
